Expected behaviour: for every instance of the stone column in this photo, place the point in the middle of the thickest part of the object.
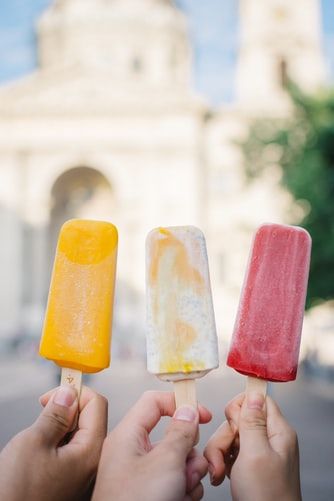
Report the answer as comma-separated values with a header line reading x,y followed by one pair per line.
x,y
10,249
36,251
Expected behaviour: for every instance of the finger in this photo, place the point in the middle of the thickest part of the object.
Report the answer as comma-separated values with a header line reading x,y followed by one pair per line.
x,y
196,469
231,457
93,417
205,415
57,417
180,436
233,409
85,395
275,419
149,409
282,437
196,494
253,424
43,399
216,450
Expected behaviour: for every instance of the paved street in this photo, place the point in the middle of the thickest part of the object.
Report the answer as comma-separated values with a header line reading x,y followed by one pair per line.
x,y
308,407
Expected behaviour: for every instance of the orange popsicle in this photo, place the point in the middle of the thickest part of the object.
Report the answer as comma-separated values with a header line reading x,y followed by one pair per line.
x,y
77,326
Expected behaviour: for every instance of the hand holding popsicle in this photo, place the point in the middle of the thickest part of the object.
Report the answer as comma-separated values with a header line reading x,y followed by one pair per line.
x,y
133,468
33,466
181,336
77,326
257,449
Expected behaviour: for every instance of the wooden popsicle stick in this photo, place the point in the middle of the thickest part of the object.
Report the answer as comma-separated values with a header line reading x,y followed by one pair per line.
x,y
255,384
71,377
185,392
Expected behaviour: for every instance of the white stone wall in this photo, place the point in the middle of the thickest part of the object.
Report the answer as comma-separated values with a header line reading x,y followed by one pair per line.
x,y
11,265
150,162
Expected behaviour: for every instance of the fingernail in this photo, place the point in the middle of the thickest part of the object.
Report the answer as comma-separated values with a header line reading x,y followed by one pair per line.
x,y
211,473
255,400
185,413
65,396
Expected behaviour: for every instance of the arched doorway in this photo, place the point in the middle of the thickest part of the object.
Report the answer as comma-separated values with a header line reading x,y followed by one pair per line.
x,y
80,192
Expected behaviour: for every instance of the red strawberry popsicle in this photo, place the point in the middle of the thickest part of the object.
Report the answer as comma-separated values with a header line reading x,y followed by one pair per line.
x,y
266,338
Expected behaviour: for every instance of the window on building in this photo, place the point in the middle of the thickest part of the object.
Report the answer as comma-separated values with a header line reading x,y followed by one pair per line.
x,y
137,64
283,72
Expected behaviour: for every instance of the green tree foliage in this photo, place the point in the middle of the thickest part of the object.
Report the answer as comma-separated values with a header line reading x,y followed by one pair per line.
x,y
303,146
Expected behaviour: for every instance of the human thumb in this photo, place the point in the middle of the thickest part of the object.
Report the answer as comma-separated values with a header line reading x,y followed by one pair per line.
x,y
182,432
253,423
58,416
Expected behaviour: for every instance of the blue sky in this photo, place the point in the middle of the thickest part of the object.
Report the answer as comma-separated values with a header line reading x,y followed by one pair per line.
x,y
213,27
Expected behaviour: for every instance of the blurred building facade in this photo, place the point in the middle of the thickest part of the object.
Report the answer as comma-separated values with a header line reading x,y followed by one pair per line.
x,y
108,127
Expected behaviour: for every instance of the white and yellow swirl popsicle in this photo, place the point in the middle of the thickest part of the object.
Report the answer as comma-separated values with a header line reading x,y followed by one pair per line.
x,y
181,332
